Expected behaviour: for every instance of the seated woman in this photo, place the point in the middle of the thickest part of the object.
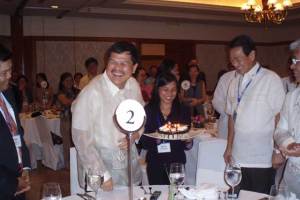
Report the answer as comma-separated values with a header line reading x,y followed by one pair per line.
x,y
25,94
195,96
66,92
140,75
65,96
44,93
164,107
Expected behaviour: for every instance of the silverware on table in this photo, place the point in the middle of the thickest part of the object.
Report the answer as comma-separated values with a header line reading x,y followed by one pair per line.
x,y
82,196
145,192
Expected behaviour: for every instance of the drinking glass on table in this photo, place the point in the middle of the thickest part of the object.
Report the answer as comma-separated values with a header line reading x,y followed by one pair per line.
x,y
95,180
176,175
279,192
51,191
233,176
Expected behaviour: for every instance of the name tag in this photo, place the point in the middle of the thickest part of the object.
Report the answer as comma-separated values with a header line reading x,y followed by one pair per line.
x,y
164,148
17,140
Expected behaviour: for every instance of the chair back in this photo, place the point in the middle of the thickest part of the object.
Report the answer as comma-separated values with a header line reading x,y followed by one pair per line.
x,y
211,165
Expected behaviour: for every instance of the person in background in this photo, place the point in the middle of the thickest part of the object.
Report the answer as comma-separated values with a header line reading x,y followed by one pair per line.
x,y
65,97
195,95
219,102
25,93
44,92
91,65
140,75
77,77
169,66
152,73
254,99
99,142
164,107
289,82
14,156
287,134
202,75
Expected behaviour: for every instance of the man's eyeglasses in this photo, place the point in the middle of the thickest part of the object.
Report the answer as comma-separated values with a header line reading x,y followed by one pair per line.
x,y
294,61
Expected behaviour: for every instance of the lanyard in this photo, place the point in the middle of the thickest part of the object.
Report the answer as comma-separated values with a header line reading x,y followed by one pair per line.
x,y
240,95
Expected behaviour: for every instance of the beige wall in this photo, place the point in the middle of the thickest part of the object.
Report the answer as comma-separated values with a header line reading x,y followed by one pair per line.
x,y
94,27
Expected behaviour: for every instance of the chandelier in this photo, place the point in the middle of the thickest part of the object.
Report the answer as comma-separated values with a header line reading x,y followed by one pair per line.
x,y
270,10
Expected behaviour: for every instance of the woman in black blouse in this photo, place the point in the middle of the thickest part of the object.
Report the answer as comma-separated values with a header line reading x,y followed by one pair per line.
x,y
164,107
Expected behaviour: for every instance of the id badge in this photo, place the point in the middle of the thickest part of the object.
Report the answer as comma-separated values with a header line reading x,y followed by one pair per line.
x,y
164,148
17,140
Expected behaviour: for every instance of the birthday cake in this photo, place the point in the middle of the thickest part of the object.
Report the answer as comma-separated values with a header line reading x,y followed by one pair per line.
x,y
173,130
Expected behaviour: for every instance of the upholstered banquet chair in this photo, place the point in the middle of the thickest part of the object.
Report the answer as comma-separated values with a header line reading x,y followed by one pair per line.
x,y
211,165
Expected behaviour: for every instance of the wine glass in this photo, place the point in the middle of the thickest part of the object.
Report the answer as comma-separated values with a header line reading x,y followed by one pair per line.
x,y
233,176
279,192
51,191
176,174
210,111
95,180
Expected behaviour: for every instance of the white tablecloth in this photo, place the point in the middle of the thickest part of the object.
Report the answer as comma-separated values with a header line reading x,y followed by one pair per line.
x,y
37,132
121,193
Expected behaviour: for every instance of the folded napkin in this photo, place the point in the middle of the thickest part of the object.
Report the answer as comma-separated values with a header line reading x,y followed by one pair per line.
x,y
204,191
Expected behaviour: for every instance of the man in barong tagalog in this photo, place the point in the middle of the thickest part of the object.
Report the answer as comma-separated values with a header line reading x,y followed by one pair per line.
x,y
99,142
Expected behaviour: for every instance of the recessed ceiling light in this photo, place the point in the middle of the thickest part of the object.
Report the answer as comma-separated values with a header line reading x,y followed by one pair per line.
x,y
54,6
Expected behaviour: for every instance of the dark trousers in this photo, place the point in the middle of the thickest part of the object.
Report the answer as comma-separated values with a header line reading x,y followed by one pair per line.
x,y
257,180
158,174
20,197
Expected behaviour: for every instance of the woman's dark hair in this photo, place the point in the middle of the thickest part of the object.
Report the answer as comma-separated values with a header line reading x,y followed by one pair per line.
x,y
63,77
245,42
121,47
43,77
166,66
137,71
162,80
199,78
5,53
22,77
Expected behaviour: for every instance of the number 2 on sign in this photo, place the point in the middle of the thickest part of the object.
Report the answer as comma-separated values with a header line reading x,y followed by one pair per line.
x,y
132,115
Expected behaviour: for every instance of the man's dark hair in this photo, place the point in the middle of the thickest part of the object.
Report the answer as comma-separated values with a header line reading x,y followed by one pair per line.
x,y
245,42
5,53
90,61
124,46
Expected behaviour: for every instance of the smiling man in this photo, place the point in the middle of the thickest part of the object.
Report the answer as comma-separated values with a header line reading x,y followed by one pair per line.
x,y
99,142
287,135
255,97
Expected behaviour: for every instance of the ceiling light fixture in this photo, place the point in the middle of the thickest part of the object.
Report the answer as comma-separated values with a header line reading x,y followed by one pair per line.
x,y
54,6
270,10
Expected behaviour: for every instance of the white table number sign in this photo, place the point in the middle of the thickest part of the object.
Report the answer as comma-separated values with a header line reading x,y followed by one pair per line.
x,y
130,116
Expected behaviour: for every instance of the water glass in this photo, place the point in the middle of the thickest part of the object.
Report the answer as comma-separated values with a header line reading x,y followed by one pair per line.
x,y
51,191
233,176
279,192
95,180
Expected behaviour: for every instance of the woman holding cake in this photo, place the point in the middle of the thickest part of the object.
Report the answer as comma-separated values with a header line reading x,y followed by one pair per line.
x,y
164,107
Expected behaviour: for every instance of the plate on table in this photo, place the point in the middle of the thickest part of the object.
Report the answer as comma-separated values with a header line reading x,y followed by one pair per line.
x,y
185,136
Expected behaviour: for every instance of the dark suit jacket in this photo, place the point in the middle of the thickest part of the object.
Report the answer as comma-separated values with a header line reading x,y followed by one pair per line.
x,y
8,154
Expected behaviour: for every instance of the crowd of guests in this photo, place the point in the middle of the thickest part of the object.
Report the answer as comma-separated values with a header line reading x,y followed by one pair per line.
x,y
258,119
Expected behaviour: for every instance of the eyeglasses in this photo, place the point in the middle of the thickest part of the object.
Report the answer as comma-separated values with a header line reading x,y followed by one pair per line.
x,y
294,61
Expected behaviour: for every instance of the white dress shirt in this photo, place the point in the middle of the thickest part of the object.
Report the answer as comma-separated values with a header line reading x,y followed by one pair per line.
x,y
219,102
255,115
288,85
287,132
94,132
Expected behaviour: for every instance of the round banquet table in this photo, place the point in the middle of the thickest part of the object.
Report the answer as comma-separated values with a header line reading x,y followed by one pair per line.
x,y
35,129
122,193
